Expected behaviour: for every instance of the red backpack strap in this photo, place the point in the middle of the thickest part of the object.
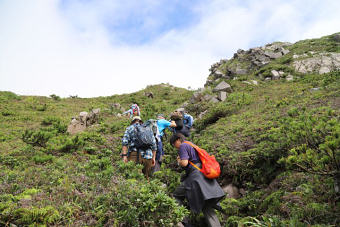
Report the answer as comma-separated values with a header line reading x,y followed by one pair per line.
x,y
191,144
197,149
198,168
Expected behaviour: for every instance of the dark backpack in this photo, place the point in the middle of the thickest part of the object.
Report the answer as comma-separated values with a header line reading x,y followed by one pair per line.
x,y
153,125
144,136
179,124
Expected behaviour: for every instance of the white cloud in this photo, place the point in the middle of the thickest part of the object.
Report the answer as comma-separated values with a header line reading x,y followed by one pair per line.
x,y
42,53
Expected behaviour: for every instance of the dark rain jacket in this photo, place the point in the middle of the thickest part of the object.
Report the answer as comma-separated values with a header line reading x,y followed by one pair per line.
x,y
201,191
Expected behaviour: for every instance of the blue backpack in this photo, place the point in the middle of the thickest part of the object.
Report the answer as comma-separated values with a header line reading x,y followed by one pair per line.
x,y
144,136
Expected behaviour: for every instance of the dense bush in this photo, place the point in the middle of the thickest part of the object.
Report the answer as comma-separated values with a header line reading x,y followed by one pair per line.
x,y
65,144
36,138
314,141
146,204
7,112
55,97
55,123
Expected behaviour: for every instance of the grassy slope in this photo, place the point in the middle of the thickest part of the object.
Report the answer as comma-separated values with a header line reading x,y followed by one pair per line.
x,y
249,135
79,184
82,184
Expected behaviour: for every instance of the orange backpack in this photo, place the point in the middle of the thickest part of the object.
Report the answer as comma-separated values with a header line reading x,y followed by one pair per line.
x,y
210,167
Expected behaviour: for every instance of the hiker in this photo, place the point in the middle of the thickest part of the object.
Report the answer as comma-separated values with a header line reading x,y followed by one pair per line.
x,y
130,151
162,124
188,120
180,128
202,194
133,111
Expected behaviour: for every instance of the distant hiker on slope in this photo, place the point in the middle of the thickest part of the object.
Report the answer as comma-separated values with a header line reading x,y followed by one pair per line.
x,y
133,111
201,193
139,145
188,120
162,124
177,117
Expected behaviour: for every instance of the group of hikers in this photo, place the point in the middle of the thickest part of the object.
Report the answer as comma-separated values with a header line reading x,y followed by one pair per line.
x,y
143,143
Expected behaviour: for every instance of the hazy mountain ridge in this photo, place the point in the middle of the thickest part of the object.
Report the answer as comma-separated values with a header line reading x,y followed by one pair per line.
x,y
277,140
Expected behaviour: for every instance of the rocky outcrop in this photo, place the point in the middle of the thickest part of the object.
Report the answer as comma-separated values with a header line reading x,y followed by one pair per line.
x,y
148,94
289,77
222,96
115,107
231,191
84,120
243,62
222,86
218,94
75,127
320,63
196,97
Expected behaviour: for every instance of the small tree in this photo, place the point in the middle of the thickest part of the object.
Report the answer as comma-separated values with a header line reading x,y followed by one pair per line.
x,y
55,97
315,140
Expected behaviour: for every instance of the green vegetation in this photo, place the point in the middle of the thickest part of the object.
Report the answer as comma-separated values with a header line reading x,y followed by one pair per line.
x,y
49,177
279,142
282,147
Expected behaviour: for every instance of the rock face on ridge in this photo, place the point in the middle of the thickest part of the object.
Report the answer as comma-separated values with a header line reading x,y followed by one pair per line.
x,y
320,63
272,62
307,56
243,62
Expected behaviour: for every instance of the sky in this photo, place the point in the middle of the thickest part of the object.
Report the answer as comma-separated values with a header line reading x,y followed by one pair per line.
x,y
96,48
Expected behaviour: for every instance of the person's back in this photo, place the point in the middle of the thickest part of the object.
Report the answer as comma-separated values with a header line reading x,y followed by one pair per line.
x,y
201,193
188,120
134,151
162,124
135,110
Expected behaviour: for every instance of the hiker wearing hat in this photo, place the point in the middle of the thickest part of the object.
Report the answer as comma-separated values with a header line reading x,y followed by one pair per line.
x,y
188,121
162,124
140,152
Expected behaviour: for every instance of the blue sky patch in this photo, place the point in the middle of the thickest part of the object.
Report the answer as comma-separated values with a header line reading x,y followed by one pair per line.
x,y
134,22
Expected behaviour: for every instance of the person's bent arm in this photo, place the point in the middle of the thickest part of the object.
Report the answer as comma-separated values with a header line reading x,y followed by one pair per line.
x,y
173,124
181,162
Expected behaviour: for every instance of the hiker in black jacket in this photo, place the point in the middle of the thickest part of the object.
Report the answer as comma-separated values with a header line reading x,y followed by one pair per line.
x,y
177,117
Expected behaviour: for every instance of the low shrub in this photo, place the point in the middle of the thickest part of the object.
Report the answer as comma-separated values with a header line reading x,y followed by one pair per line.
x,y
214,114
146,204
36,138
42,107
65,144
7,112
55,123
55,97
41,158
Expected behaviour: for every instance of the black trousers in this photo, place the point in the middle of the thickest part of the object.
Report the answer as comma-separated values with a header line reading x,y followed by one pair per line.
x,y
208,210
